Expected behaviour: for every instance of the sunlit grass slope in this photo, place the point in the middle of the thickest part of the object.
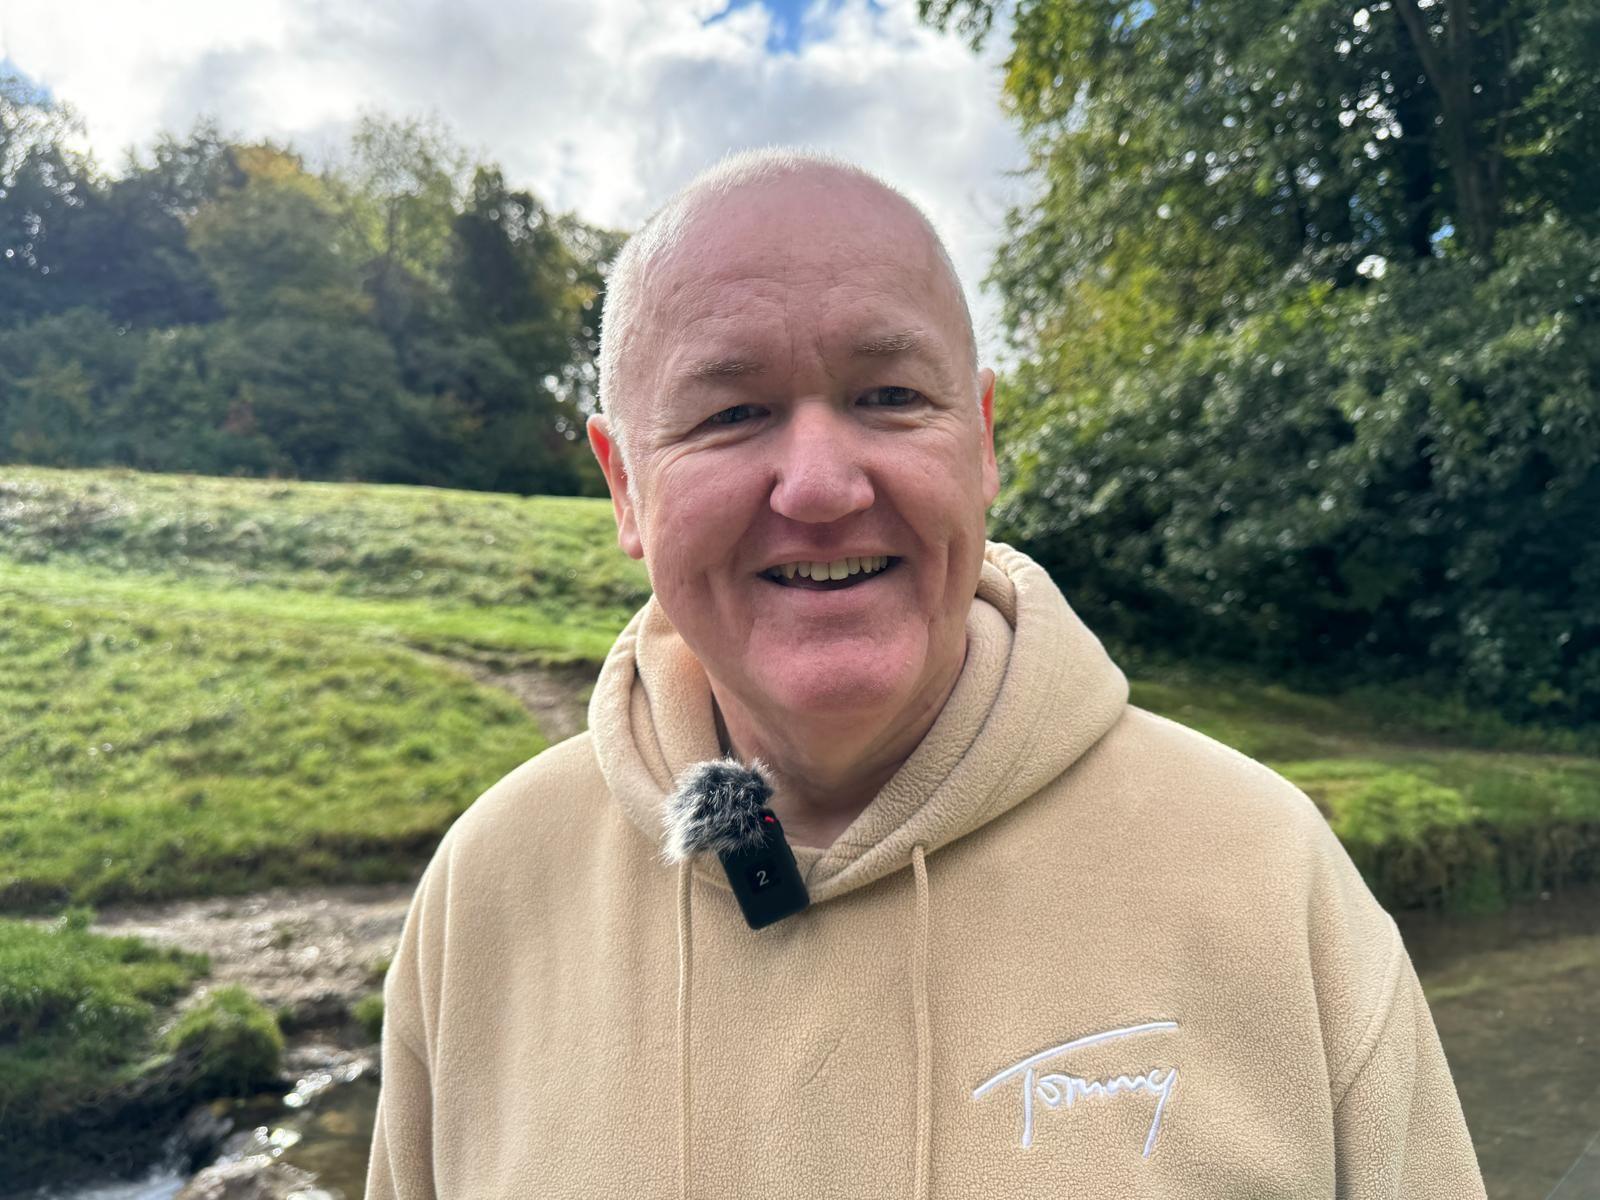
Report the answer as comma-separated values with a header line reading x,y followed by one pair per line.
x,y
212,685
533,579
144,754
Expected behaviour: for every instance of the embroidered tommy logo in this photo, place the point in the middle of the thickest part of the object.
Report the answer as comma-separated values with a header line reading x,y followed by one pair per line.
x,y
1056,1090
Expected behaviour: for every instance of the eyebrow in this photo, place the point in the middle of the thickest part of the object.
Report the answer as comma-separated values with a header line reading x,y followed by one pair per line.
x,y
889,345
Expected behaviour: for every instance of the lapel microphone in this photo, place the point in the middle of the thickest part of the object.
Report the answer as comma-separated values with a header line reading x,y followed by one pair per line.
x,y
721,805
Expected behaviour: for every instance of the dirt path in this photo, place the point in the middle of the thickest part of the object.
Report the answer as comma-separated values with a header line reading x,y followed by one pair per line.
x,y
556,697
313,951
316,951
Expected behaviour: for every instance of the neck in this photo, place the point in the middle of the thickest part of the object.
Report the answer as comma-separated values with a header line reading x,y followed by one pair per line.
x,y
826,771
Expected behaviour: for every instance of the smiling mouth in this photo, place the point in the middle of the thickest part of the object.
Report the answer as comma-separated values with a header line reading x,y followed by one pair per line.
x,y
829,577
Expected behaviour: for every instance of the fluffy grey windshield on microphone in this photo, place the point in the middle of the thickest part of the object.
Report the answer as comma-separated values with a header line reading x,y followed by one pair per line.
x,y
716,806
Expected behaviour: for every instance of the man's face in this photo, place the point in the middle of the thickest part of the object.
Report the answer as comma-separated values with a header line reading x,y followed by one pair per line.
x,y
803,394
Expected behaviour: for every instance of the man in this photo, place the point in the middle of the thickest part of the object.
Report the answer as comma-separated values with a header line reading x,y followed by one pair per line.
x,y
1056,945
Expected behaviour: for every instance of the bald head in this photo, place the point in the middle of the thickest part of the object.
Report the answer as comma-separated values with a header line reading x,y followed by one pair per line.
x,y
755,196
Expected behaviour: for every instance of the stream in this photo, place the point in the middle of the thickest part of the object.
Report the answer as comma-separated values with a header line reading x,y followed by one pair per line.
x,y
1515,996
1516,1000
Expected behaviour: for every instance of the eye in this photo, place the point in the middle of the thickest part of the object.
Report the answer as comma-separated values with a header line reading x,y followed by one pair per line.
x,y
891,397
736,415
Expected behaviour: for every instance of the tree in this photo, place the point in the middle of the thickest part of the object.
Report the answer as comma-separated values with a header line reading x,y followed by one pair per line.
x,y
1304,306
530,283
400,185
219,307
300,358
41,182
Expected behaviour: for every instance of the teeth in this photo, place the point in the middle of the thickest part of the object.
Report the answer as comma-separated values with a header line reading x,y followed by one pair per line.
x,y
839,568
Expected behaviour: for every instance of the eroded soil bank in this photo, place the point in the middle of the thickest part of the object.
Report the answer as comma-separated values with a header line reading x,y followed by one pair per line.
x,y
310,953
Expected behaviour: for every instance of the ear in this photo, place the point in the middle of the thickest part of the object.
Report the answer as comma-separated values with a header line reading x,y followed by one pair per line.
x,y
991,472
616,473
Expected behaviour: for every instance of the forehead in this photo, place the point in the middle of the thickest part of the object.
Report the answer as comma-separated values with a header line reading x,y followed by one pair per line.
x,y
796,265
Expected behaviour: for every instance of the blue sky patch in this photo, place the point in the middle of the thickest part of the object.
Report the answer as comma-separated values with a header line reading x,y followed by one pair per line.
x,y
789,28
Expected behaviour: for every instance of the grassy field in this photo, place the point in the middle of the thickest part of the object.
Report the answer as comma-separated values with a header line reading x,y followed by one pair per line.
x,y
216,686
524,579
148,754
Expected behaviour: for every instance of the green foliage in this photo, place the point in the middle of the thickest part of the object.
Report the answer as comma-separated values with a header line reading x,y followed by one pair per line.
x,y
368,1012
233,1042
1368,483
1309,369
222,309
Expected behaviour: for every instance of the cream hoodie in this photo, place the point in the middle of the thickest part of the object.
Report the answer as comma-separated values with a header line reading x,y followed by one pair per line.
x,y
1071,949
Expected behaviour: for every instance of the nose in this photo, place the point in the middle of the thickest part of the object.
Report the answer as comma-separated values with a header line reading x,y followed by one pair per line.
x,y
820,469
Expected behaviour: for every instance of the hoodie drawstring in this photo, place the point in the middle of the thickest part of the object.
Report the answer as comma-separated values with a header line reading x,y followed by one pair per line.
x,y
685,948
919,1003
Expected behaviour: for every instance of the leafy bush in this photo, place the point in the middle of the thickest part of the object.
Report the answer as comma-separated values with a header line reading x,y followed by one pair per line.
x,y
1350,485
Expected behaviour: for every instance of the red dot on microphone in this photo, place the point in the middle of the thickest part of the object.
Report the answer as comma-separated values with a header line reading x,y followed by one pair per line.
x,y
770,819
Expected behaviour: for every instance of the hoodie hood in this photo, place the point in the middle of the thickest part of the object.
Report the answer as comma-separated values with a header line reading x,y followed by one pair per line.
x,y
1036,691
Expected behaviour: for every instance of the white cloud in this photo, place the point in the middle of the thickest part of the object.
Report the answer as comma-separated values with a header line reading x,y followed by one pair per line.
x,y
601,106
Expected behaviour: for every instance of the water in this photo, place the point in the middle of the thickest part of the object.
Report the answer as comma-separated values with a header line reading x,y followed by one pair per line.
x,y
1516,999
323,1126
334,1133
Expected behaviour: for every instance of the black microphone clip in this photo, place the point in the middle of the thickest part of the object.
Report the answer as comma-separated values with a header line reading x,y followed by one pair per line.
x,y
722,805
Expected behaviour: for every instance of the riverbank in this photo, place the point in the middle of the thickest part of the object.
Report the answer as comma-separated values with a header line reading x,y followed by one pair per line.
x,y
314,958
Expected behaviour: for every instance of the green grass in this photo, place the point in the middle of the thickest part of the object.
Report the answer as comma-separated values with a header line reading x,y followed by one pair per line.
x,y
368,1013
504,634
79,1017
146,754
230,1044
218,689
536,578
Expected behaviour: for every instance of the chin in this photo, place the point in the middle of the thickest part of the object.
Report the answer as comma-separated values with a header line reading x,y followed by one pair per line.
x,y
823,689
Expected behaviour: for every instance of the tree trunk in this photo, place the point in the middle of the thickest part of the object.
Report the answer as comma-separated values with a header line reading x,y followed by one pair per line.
x,y
1473,166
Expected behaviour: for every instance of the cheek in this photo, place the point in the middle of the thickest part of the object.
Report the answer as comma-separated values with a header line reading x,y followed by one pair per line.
x,y
697,513
941,494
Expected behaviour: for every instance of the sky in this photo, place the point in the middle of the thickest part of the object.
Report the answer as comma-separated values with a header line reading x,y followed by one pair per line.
x,y
602,107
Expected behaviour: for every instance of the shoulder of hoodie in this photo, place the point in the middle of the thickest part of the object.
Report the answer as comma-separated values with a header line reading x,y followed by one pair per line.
x,y
1177,777
1175,784
1276,862
498,850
